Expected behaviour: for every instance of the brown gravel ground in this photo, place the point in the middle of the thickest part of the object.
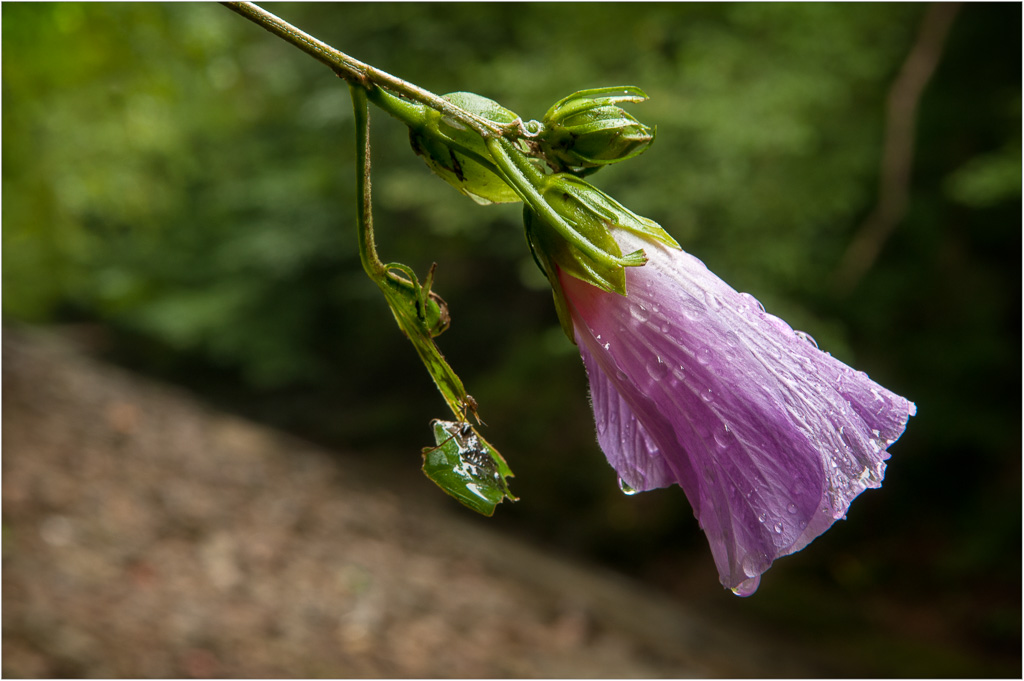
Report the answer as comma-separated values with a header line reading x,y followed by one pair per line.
x,y
146,535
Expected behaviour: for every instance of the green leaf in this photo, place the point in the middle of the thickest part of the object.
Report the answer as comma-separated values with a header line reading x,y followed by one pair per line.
x,y
466,467
466,173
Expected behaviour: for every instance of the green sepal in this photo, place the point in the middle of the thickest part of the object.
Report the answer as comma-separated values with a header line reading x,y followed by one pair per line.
x,y
466,466
552,248
593,214
591,199
594,97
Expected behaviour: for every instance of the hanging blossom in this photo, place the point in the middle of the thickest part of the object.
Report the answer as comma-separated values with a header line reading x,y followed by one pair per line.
x,y
694,383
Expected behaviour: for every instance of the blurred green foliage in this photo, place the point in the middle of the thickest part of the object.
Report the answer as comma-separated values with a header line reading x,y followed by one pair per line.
x,y
184,178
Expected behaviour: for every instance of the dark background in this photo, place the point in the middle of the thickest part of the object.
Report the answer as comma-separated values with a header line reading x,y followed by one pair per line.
x,y
179,183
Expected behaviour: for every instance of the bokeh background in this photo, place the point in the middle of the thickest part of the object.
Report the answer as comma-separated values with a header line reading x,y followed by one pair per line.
x,y
180,182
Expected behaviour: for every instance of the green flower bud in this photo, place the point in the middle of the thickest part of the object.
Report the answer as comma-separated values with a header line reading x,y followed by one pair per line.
x,y
457,154
587,129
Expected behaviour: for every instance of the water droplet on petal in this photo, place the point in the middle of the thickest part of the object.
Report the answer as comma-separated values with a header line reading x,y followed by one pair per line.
x,y
626,489
704,354
657,368
724,437
752,302
639,313
693,308
752,565
777,527
802,335
747,587
707,395
791,508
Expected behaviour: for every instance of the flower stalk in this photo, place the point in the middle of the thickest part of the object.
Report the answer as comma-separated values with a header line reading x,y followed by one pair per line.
x,y
505,156
356,72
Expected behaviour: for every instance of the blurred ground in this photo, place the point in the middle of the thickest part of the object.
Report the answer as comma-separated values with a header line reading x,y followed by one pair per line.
x,y
145,535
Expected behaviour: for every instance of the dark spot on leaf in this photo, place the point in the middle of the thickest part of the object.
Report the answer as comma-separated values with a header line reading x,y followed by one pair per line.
x,y
456,166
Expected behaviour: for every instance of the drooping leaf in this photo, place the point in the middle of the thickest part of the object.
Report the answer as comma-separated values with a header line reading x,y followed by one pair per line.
x,y
466,467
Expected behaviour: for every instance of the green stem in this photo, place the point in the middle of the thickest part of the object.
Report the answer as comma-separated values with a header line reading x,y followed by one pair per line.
x,y
356,72
364,210
374,83
404,296
525,179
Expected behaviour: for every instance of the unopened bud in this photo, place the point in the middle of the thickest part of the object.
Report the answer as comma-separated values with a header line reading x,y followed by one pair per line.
x,y
458,155
588,129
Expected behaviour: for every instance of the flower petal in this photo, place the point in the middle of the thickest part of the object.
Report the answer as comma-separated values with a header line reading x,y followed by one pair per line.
x,y
622,437
770,438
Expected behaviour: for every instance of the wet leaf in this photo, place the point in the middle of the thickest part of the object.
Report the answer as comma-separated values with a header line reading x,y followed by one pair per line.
x,y
466,467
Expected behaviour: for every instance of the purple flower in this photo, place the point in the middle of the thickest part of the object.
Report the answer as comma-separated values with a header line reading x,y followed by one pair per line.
x,y
694,383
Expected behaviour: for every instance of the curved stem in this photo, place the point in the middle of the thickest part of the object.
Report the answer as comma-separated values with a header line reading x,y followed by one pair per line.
x,y
356,72
364,209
